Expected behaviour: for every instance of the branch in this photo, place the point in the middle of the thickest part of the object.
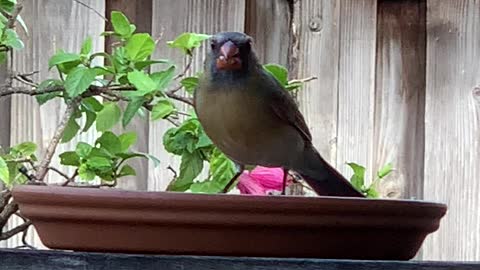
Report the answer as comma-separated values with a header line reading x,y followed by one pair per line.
x,y
187,67
13,17
59,172
20,228
27,90
43,167
92,9
304,80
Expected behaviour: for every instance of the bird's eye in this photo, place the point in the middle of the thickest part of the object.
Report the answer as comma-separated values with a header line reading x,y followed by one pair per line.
x,y
213,44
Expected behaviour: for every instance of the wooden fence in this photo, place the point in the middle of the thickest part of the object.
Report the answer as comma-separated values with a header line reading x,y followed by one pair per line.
x,y
396,84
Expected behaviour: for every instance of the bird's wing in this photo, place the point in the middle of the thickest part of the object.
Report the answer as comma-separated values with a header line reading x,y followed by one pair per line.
x,y
284,106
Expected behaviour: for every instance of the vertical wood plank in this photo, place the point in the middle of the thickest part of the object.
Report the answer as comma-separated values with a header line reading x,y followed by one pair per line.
x,y
315,52
452,127
268,22
52,25
356,84
171,18
139,13
5,106
400,96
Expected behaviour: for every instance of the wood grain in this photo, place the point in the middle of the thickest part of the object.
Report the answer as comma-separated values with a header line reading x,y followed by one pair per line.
x,y
356,84
268,22
315,52
400,97
452,127
5,107
140,14
170,19
52,25
58,260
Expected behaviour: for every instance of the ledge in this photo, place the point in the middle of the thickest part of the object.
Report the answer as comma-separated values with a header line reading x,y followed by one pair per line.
x,y
52,260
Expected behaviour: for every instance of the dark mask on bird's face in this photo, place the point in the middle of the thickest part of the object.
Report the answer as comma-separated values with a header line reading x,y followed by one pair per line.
x,y
230,55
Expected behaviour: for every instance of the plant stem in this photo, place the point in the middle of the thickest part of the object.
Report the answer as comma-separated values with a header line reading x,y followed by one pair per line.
x,y
43,167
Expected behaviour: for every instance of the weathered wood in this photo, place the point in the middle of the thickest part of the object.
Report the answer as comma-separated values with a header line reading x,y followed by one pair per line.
x,y
356,84
268,22
140,14
5,107
452,126
53,260
400,97
52,25
170,19
314,52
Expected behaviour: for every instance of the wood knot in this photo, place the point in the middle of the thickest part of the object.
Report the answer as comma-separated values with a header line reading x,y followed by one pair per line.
x,y
476,93
315,24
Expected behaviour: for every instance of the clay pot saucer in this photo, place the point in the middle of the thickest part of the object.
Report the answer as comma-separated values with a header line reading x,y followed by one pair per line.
x,y
111,220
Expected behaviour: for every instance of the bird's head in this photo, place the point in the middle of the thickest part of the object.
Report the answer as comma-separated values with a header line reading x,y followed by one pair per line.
x,y
231,53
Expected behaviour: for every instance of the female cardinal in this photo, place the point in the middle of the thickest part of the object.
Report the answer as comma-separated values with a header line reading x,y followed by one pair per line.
x,y
253,120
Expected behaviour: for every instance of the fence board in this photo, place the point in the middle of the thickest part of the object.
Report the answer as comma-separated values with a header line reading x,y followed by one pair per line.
x,y
400,96
356,83
139,13
170,19
452,126
5,107
314,52
268,22
52,25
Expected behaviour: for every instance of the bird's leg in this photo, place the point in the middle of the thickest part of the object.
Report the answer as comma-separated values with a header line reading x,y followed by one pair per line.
x,y
240,168
285,176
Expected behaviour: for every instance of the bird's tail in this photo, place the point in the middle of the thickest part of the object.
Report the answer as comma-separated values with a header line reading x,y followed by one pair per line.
x,y
323,178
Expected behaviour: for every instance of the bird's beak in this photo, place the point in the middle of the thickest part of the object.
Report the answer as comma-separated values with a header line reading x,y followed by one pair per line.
x,y
229,58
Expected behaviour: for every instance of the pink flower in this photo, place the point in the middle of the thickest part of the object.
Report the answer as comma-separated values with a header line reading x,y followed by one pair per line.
x,y
261,180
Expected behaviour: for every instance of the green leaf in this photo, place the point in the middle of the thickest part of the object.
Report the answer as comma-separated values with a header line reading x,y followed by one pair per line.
x,y
86,46
85,173
385,170
139,46
372,193
126,140
71,130
62,57
358,178
4,173
78,80
143,64
120,23
162,109
12,40
188,41
69,158
100,152
155,160
163,78
278,72
7,5
108,116
293,86
127,170
142,82
99,163
110,142
83,149
90,119
189,83
190,168
3,57
49,83
92,104
24,149
222,169
203,140
132,108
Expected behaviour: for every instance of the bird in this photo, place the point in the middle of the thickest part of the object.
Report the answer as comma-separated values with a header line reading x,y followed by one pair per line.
x,y
253,120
